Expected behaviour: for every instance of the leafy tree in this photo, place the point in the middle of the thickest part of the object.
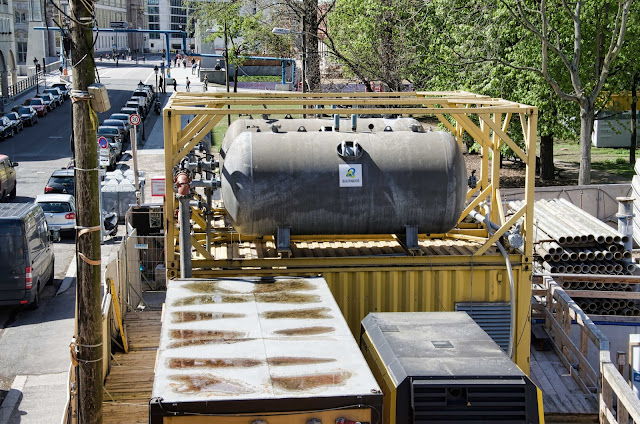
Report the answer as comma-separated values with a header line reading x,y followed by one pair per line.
x,y
570,46
370,38
241,24
586,37
625,74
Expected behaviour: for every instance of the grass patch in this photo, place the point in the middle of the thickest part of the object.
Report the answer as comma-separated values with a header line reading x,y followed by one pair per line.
x,y
618,166
611,160
259,78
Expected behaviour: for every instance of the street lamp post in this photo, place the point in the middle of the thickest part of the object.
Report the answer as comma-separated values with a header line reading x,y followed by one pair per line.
x,y
37,65
155,69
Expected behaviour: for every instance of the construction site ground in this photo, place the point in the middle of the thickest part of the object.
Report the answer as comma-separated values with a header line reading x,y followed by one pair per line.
x,y
566,173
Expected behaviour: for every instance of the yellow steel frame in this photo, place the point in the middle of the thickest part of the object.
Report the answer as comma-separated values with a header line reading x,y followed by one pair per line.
x,y
487,120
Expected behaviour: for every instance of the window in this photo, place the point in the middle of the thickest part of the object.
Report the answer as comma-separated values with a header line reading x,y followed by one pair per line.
x,y
154,18
154,10
21,17
178,20
22,51
178,11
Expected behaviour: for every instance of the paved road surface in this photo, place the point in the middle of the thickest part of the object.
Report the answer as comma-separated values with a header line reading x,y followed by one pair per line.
x,y
35,343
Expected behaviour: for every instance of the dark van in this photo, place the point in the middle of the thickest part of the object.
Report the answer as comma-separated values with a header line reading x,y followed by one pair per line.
x,y
26,254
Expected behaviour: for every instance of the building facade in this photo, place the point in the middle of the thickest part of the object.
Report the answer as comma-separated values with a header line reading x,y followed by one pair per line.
x,y
168,15
108,11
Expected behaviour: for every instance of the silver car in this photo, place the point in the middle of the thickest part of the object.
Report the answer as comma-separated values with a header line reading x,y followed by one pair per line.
x,y
59,211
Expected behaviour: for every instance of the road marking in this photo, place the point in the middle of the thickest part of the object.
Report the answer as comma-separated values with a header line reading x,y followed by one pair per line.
x,y
150,75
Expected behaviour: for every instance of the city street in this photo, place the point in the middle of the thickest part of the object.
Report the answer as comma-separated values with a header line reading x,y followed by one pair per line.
x,y
36,343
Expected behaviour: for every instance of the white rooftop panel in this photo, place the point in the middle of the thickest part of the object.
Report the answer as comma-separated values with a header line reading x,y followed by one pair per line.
x,y
232,339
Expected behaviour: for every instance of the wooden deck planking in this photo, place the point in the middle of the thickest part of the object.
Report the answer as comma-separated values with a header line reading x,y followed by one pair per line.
x,y
561,394
130,380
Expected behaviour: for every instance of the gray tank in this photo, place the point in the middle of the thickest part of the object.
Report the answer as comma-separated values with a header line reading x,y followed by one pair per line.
x,y
343,183
313,125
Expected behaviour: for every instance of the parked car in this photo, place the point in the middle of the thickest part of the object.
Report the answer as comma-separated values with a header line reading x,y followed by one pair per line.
x,y
8,182
61,181
150,88
28,115
119,124
6,128
26,258
57,95
48,100
38,104
124,117
143,101
131,111
63,87
135,104
107,157
16,122
59,211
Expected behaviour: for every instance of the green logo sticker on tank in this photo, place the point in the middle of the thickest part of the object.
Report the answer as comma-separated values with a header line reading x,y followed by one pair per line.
x,y
350,175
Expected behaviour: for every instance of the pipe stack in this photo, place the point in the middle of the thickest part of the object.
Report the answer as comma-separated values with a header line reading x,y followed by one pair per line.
x,y
568,240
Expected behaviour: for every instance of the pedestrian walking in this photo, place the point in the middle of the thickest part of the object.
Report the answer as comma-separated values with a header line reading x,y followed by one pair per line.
x,y
193,69
175,85
206,82
175,62
160,84
184,63
188,84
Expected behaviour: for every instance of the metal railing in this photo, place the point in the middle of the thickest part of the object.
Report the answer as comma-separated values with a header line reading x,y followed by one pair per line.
x,y
25,84
617,402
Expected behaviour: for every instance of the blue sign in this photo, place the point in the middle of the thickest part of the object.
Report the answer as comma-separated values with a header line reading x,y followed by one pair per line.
x,y
102,142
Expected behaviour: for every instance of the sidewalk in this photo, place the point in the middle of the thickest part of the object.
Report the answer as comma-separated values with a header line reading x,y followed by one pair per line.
x,y
39,399
18,100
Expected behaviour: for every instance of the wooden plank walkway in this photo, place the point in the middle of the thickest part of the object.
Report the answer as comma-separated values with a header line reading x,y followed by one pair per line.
x,y
563,399
128,386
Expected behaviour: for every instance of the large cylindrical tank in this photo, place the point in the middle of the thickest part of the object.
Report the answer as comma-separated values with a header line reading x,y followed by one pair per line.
x,y
313,125
343,183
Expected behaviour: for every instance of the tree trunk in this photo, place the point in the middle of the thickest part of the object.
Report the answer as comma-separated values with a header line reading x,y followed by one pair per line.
x,y
311,34
586,128
546,158
388,53
634,102
235,78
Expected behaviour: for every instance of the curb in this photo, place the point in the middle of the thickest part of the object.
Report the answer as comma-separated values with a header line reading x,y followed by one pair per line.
x,y
13,399
68,279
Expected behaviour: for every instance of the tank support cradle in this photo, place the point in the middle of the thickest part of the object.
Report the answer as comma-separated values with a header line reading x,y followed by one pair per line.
x,y
283,241
409,240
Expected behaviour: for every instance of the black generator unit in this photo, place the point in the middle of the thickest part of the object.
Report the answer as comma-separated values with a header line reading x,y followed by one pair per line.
x,y
441,367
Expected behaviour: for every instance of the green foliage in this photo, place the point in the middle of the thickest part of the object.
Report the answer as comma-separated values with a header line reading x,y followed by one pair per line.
x,y
247,33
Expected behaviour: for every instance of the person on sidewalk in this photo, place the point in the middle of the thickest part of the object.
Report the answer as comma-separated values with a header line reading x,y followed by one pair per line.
x,y
160,84
206,82
193,68
188,84
175,85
